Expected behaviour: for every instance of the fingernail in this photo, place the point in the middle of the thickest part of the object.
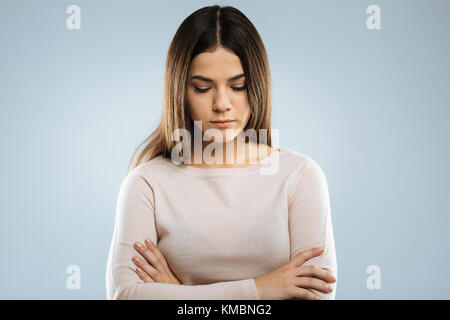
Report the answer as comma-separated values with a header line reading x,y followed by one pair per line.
x,y
322,249
138,245
148,241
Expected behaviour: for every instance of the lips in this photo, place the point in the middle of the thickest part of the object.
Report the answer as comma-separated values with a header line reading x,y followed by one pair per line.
x,y
222,121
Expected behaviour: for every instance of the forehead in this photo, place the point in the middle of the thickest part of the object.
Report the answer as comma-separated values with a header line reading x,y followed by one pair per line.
x,y
219,64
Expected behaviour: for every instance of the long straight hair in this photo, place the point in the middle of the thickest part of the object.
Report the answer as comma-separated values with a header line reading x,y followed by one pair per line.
x,y
203,30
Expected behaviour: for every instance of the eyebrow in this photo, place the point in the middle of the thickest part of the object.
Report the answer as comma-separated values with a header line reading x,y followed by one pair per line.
x,y
211,80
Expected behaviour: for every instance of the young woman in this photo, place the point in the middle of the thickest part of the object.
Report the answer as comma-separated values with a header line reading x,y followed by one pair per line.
x,y
221,229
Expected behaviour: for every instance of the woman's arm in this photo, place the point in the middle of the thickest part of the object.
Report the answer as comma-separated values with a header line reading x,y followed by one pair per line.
x,y
134,221
310,220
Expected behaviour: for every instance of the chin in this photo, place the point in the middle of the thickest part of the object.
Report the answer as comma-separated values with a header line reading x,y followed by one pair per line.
x,y
225,136
223,139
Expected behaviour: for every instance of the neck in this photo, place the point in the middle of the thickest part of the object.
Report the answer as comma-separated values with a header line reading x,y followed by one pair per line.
x,y
233,152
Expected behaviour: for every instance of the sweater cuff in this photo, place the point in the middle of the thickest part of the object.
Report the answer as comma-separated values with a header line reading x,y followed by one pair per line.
x,y
240,290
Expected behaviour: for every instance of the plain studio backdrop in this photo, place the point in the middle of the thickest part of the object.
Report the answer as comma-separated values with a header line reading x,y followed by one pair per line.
x,y
371,106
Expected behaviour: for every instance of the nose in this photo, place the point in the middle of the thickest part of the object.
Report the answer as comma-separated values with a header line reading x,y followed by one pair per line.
x,y
222,102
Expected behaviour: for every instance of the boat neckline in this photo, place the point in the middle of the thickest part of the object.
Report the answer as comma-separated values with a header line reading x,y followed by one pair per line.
x,y
228,171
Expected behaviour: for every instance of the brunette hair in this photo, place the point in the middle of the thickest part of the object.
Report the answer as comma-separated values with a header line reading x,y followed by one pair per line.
x,y
204,30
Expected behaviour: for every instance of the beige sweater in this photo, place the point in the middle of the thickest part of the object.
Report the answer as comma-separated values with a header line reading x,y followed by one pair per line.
x,y
220,228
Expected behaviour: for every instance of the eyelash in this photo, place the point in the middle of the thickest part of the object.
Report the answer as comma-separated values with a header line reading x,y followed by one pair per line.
x,y
206,90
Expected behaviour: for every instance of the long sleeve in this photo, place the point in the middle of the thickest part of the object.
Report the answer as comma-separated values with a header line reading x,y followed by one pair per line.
x,y
310,222
134,221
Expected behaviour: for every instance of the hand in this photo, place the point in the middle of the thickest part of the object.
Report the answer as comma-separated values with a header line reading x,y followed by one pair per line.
x,y
155,267
293,279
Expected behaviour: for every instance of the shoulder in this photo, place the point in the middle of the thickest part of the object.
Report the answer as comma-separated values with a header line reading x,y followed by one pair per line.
x,y
305,173
299,162
147,173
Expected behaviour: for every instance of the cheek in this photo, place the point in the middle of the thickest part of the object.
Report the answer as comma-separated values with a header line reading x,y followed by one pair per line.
x,y
244,110
242,104
196,106
199,114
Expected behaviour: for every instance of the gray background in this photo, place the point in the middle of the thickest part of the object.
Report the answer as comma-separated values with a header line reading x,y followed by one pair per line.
x,y
370,106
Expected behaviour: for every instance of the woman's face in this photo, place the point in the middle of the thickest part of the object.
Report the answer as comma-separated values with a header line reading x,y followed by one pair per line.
x,y
216,90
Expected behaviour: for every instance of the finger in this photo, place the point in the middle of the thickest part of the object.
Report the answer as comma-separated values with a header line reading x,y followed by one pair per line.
x,y
156,251
149,256
144,276
312,283
305,294
168,275
148,269
301,257
314,271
